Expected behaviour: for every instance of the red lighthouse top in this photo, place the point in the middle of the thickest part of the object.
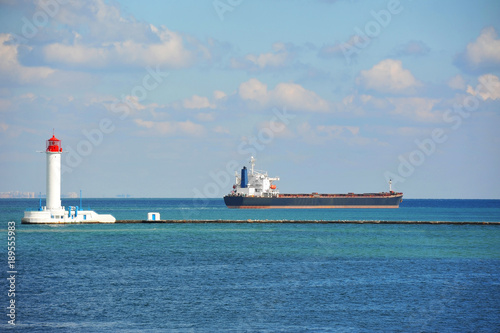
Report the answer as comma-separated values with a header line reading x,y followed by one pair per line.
x,y
54,144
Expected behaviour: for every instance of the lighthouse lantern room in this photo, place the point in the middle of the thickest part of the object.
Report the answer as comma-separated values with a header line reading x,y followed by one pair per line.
x,y
54,145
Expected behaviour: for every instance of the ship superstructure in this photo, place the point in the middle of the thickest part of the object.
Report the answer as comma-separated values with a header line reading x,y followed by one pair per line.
x,y
255,189
254,183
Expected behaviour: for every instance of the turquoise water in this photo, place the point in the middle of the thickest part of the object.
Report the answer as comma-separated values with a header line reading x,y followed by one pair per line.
x,y
416,210
255,277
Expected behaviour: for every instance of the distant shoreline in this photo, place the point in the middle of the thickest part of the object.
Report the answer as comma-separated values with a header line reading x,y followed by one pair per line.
x,y
201,199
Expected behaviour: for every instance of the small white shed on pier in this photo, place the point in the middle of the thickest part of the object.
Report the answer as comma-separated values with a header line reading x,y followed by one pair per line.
x,y
153,216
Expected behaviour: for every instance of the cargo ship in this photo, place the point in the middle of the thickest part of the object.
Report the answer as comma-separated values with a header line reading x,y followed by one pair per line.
x,y
255,189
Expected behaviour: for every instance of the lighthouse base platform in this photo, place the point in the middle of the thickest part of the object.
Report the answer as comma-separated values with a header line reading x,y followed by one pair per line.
x,y
63,216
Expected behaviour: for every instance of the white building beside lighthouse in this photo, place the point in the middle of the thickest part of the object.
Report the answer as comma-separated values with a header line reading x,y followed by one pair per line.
x,y
53,212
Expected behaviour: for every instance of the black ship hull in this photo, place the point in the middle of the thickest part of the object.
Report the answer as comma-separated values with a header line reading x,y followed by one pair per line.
x,y
369,200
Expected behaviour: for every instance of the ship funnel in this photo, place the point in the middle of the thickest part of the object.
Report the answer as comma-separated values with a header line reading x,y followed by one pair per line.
x,y
244,177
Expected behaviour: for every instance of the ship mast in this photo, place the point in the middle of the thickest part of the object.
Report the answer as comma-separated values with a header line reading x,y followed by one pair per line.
x,y
252,162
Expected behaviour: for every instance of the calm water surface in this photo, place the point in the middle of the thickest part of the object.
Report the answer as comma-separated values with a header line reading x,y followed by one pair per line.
x,y
252,277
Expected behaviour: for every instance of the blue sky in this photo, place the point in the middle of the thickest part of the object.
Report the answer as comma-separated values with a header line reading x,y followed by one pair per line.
x,y
170,98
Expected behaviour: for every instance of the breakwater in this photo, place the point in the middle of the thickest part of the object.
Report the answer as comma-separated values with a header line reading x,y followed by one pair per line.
x,y
311,222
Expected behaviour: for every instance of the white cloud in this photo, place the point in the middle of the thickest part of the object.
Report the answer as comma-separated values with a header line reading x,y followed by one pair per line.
x,y
11,68
290,95
279,57
169,52
483,53
296,97
416,108
197,102
254,90
374,102
488,87
102,21
170,128
125,107
219,94
134,101
389,76
97,34
271,59
361,105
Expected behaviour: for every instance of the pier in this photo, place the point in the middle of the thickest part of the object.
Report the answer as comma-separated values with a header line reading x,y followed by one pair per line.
x,y
309,222
271,222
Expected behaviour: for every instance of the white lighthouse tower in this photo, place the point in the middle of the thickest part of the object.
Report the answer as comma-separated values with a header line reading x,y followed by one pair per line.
x,y
53,153
53,212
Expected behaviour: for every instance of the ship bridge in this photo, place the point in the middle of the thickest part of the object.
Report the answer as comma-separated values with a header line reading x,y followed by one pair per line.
x,y
254,182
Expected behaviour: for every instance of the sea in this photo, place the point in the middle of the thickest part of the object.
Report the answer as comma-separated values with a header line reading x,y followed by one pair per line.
x,y
252,277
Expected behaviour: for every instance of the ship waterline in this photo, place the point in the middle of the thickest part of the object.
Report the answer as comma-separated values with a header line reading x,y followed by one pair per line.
x,y
376,200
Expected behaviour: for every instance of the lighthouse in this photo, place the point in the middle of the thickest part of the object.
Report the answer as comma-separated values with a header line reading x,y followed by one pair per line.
x,y
53,153
53,211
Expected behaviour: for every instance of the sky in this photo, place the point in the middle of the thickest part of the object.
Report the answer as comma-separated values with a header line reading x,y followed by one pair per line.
x,y
171,98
